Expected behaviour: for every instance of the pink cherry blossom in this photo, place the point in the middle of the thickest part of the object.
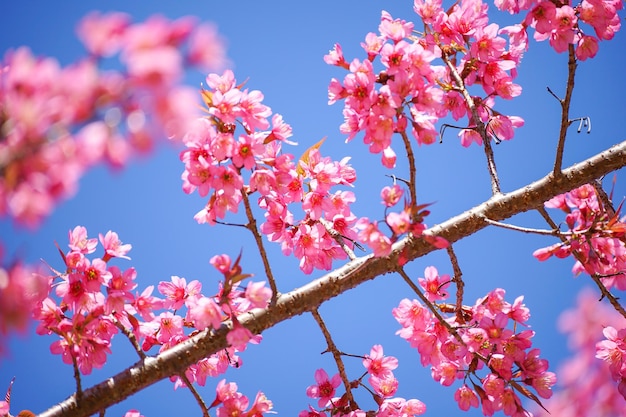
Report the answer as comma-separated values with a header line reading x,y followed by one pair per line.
x,y
612,350
335,57
434,285
587,47
385,386
145,304
260,406
372,236
113,246
177,291
258,294
204,312
391,195
239,337
379,365
394,29
206,48
324,391
466,398
79,241
400,223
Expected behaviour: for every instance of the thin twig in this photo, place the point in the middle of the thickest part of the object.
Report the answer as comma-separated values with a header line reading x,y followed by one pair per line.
x,y
444,127
394,178
491,162
480,126
565,104
79,389
412,169
332,348
458,280
603,197
231,224
527,229
131,337
606,293
547,218
196,394
259,244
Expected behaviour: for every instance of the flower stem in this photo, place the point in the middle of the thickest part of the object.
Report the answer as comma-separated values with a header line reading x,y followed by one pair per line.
x,y
259,243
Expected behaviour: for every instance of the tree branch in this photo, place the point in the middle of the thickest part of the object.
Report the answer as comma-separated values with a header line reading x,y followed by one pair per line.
x,y
499,207
412,170
565,103
195,393
332,348
259,244
458,281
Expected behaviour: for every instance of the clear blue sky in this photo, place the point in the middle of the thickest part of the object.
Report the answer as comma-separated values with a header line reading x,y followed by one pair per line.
x,y
279,46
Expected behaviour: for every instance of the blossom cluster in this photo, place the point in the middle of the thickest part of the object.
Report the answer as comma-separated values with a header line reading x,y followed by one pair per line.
x,y
480,345
409,220
613,351
230,402
595,237
410,92
560,22
596,240
56,122
227,166
21,287
379,369
92,300
398,89
586,387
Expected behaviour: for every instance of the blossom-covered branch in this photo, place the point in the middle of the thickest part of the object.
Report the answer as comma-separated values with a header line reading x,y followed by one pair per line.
x,y
179,357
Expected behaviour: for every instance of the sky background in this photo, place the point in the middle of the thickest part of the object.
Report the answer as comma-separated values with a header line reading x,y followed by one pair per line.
x,y
279,46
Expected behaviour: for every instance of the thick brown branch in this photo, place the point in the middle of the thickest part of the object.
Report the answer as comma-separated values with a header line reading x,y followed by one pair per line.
x,y
499,207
